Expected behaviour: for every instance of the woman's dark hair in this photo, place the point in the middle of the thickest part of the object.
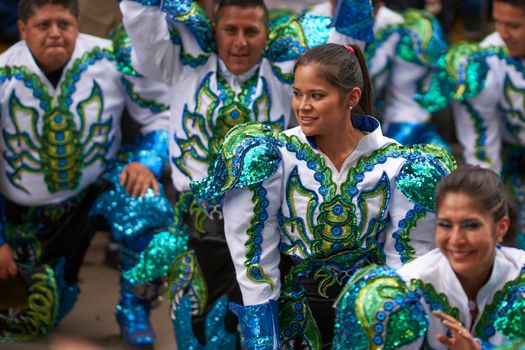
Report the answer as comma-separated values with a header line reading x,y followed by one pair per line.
x,y
27,8
487,192
344,66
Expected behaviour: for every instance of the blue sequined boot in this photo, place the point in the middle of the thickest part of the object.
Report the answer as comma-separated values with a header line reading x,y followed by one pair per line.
x,y
135,299
133,318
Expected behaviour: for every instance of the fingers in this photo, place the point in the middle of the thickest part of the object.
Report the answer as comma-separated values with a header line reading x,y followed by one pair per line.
x,y
443,316
124,176
460,338
443,339
138,179
454,326
130,184
12,270
8,266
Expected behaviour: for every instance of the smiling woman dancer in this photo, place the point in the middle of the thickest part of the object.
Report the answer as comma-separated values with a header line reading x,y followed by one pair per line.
x,y
333,194
469,287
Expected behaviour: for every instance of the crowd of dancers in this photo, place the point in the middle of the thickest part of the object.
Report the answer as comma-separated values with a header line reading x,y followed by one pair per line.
x,y
316,206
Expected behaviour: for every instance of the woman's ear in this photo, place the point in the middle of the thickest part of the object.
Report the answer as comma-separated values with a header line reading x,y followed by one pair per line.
x,y
501,228
352,98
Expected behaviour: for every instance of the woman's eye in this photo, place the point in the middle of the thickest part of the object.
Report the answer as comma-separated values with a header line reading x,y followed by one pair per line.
x,y
472,225
443,224
317,96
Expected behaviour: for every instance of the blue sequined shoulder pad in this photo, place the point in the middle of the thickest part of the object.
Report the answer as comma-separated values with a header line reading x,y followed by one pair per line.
x,y
249,154
378,310
426,165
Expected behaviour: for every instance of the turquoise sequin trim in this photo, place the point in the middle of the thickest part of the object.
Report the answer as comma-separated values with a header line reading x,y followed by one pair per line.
x,y
155,260
419,177
255,271
152,151
290,41
194,17
259,325
152,105
461,74
505,313
130,217
122,51
217,338
421,39
355,19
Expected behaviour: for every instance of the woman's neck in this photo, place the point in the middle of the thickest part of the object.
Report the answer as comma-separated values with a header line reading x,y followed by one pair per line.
x,y
339,144
472,286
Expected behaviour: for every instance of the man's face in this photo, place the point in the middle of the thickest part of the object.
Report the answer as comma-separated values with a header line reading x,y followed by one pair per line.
x,y
51,35
241,37
510,24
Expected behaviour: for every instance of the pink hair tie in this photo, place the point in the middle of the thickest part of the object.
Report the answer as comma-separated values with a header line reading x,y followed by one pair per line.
x,y
349,48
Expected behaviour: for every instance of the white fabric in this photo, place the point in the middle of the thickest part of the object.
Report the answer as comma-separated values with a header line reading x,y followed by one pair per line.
x,y
114,99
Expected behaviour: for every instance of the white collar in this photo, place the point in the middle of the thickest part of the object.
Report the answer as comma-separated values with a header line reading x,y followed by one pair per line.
x,y
235,80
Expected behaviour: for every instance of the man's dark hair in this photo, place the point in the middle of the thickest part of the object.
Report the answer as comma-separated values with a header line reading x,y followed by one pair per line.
x,y
518,3
243,4
27,8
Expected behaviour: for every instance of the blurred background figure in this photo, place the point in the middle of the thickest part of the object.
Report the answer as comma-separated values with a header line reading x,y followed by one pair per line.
x,y
8,28
408,43
485,83
99,17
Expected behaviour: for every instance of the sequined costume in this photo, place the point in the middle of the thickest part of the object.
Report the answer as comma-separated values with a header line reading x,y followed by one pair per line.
x,y
406,48
283,196
384,309
175,42
486,87
57,140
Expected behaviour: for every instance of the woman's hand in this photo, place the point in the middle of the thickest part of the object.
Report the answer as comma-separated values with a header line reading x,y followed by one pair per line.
x,y
461,338
138,178
8,267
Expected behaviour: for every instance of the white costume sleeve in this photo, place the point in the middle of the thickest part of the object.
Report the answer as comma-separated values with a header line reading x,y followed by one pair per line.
x,y
253,236
158,46
478,125
147,102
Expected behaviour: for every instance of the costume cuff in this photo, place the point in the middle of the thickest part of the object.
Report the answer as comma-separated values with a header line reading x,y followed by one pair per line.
x,y
259,325
152,151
